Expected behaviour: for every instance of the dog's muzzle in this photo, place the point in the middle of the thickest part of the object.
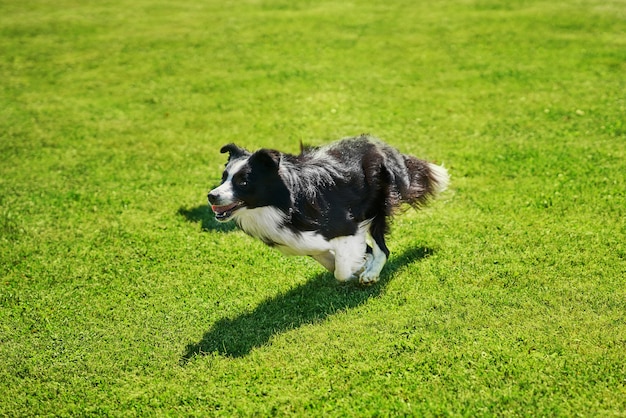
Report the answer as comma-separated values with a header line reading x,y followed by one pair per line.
x,y
223,212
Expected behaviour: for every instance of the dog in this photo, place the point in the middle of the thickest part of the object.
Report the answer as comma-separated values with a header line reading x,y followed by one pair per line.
x,y
331,203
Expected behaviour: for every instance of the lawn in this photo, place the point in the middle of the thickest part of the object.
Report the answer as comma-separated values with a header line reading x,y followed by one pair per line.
x,y
121,296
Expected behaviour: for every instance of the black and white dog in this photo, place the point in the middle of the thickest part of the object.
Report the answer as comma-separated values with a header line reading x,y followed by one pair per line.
x,y
331,203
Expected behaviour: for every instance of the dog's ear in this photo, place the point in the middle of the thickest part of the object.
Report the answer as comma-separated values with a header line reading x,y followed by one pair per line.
x,y
234,151
267,158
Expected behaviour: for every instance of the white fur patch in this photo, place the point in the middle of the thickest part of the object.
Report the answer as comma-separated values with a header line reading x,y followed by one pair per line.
x,y
235,166
225,190
267,223
263,222
349,256
441,177
348,252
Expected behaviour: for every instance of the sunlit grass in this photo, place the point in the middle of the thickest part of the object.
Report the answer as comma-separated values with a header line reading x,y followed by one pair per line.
x,y
120,295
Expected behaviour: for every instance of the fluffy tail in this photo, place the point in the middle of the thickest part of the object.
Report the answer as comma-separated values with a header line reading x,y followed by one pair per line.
x,y
425,181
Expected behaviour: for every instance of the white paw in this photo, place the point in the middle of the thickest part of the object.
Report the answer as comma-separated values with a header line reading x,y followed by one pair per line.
x,y
368,277
371,269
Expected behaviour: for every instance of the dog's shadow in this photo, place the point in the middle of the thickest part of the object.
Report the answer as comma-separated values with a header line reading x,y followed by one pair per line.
x,y
201,214
309,303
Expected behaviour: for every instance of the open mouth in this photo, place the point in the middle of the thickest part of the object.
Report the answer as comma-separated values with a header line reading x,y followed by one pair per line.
x,y
223,213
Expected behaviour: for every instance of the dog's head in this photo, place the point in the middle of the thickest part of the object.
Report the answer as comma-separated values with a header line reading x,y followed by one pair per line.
x,y
250,180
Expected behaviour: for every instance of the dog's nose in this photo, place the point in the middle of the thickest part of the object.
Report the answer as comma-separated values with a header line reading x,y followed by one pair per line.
x,y
212,196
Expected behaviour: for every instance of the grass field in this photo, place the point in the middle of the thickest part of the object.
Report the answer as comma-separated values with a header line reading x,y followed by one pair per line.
x,y
121,296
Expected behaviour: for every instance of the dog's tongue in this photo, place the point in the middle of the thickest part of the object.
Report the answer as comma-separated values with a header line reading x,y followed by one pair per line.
x,y
221,209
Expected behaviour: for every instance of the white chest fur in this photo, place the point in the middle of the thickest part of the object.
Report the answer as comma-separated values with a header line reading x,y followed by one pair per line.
x,y
345,256
267,224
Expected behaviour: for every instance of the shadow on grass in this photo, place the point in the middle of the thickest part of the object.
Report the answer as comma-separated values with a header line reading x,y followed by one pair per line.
x,y
311,302
206,218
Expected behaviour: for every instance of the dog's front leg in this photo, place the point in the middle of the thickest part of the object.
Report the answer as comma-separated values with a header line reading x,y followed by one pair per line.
x,y
349,257
326,259
373,266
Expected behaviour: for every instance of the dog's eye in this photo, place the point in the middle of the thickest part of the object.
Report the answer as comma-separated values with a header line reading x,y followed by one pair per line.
x,y
240,180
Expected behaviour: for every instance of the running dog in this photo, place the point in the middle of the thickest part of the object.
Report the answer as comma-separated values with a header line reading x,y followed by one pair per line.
x,y
332,203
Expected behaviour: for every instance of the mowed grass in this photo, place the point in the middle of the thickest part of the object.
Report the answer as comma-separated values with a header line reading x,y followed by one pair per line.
x,y
120,295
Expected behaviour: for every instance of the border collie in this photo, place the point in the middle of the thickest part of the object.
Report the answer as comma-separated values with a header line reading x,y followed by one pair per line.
x,y
331,203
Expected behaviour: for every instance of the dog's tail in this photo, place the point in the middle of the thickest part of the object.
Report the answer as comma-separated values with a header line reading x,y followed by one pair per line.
x,y
424,181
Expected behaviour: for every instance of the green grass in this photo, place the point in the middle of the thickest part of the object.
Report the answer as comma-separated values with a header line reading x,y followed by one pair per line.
x,y
120,295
